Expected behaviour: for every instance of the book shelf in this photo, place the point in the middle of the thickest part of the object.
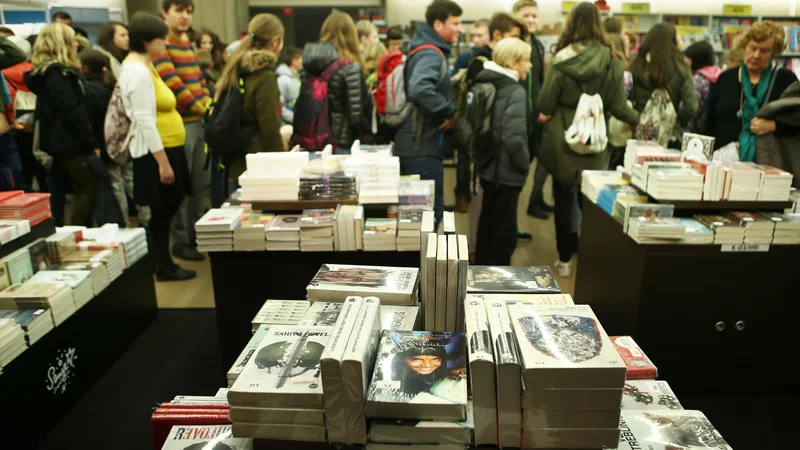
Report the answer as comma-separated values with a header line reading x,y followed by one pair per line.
x,y
710,319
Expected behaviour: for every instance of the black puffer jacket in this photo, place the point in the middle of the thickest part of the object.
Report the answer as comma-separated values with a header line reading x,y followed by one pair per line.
x,y
350,102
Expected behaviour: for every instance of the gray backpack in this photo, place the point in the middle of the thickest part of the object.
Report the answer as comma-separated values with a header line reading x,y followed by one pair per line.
x,y
398,108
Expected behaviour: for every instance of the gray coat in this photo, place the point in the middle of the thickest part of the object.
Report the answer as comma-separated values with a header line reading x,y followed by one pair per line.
x,y
432,93
782,151
289,87
509,130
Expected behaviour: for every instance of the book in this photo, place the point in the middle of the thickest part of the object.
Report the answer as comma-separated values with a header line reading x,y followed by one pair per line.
x,y
281,312
565,347
387,431
19,266
441,284
482,371
429,273
650,395
570,438
284,371
452,283
336,282
463,273
512,280
670,429
278,416
449,222
357,363
300,433
508,371
532,299
183,437
750,221
399,318
284,228
321,314
219,219
635,210
247,353
317,218
419,375
537,419
162,424
5,281
331,370
638,364
78,281
40,257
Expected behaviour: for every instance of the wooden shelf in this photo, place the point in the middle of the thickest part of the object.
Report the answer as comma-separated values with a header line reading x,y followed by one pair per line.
x,y
727,205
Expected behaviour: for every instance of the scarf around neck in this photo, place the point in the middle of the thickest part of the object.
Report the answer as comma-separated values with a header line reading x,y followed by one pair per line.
x,y
752,102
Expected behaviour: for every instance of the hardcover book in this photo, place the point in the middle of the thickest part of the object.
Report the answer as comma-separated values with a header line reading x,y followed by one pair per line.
x,y
284,371
192,437
482,371
508,367
565,347
669,430
512,280
419,375
336,282
649,395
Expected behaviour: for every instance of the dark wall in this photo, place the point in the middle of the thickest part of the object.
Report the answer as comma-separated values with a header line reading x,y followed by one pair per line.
x,y
304,24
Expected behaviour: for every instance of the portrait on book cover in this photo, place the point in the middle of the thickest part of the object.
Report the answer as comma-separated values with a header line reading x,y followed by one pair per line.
x,y
351,276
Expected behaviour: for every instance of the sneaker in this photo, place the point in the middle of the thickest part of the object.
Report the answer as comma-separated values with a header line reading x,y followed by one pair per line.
x,y
188,254
538,212
523,236
177,273
564,269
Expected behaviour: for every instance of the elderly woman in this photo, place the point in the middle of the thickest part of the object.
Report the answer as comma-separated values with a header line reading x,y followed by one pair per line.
x,y
741,91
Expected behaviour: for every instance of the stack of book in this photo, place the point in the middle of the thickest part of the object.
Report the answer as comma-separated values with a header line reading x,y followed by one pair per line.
x,y
60,244
251,235
77,280
511,280
350,228
656,230
378,192
417,195
725,230
283,233
273,176
11,229
742,182
670,429
200,416
279,394
380,235
696,232
640,174
594,180
787,228
182,437
34,322
625,210
336,282
635,150
758,229
215,229
98,273
675,183
112,258
408,229
573,378
378,178
317,230
776,184
56,297
17,266
247,353
135,242
35,208
329,186
610,193
12,341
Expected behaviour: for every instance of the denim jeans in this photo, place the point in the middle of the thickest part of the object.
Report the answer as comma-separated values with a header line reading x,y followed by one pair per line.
x,y
428,168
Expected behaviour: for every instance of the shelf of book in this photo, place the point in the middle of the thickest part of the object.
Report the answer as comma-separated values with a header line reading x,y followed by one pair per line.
x,y
47,380
702,314
39,231
244,280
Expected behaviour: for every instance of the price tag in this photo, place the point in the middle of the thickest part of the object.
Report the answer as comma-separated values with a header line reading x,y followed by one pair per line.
x,y
567,6
744,248
737,10
640,8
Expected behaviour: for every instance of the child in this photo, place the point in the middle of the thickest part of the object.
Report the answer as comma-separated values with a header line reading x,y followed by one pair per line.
x,y
289,81
503,177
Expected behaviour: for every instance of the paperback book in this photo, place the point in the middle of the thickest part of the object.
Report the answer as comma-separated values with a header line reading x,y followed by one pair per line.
x,y
387,431
429,275
668,430
512,280
399,318
649,395
281,312
482,371
191,437
441,284
508,367
336,282
452,283
296,433
321,314
240,363
530,299
638,364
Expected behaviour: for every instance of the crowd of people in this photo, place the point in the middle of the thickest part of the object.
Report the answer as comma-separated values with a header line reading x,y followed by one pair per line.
x,y
123,120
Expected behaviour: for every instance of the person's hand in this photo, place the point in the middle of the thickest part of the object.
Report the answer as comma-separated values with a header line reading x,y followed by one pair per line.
x,y
448,124
166,174
760,127
543,118
97,152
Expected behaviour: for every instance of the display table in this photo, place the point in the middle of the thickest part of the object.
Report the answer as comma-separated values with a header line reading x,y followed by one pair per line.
x,y
243,281
46,381
713,322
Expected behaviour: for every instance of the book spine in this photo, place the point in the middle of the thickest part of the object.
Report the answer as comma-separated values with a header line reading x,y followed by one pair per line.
x,y
441,284
479,344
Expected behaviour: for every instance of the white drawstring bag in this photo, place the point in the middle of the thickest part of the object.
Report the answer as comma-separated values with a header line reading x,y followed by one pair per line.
x,y
587,134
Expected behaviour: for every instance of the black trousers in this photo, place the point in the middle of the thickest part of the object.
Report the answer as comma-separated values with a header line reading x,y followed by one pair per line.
x,y
30,166
158,237
497,226
566,239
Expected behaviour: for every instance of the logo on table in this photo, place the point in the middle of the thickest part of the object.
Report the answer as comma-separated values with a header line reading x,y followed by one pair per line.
x,y
61,372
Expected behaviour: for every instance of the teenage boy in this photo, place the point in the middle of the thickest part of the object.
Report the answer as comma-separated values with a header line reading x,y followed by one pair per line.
x,y
62,17
423,140
479,37
179,69
529,10
367,33
394,39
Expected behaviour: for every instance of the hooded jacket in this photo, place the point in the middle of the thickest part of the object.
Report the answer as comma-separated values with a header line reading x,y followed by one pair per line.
x,y
703,79
419,135
782,151
289,87
350,102
680,86
509,128
261,118
64,126
575,70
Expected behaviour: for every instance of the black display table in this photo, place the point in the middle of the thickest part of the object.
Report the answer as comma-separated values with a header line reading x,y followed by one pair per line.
x,y
713,322
243,281
49,378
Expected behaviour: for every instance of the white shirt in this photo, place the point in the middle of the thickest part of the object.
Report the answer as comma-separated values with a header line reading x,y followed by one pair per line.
x,y
139,98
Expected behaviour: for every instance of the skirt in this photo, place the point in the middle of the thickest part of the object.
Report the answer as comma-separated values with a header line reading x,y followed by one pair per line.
x,y
147,187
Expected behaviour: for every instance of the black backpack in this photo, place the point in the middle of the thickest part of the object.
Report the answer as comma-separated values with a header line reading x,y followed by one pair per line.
x,y
223,126
475,126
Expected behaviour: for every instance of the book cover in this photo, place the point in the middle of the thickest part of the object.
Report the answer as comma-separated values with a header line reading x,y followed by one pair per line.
x,y
40,257
380,227
715,222
256,219
247,353
19,266
669,430
649,395
321,314
508,371
452,283
565,347
635,210
482,371
532,299
409,219
281,312
314,218
285,223
187,437
638,364
5,281
219,219
429,272
463,273
399,318
336,282
419,375
512,279
284,371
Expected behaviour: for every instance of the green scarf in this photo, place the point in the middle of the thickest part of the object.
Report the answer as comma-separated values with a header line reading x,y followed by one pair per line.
x,y
747,140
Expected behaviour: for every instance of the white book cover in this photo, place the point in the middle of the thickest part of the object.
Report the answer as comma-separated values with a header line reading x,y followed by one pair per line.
x,y
441,284
219,219
284,371
321,314
399,318
359,227
649,395
426,230
336,282
429,274
282,312
240,363
508,369
531,299
357,362
669,430
449,222
331,368
565,347
191,437
452,283
463,275
482,371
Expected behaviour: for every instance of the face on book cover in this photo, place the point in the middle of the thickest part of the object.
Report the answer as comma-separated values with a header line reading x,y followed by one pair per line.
x,y
424,364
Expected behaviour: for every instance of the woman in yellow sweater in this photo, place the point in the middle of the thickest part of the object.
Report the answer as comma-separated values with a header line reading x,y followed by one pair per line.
x,y
157,137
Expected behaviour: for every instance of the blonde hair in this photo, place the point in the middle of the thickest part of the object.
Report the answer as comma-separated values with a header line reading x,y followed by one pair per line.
x,y
365,28
372,55
524,4
762,31
262,30
54,45
508,52
340,30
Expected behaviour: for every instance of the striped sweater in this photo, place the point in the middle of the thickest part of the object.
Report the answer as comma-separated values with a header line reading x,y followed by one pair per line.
x,y
179,69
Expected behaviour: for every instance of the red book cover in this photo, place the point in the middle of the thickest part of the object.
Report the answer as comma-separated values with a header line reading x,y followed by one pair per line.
x,y
163,423
168,405
7,195
190,412
23,201
639,365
